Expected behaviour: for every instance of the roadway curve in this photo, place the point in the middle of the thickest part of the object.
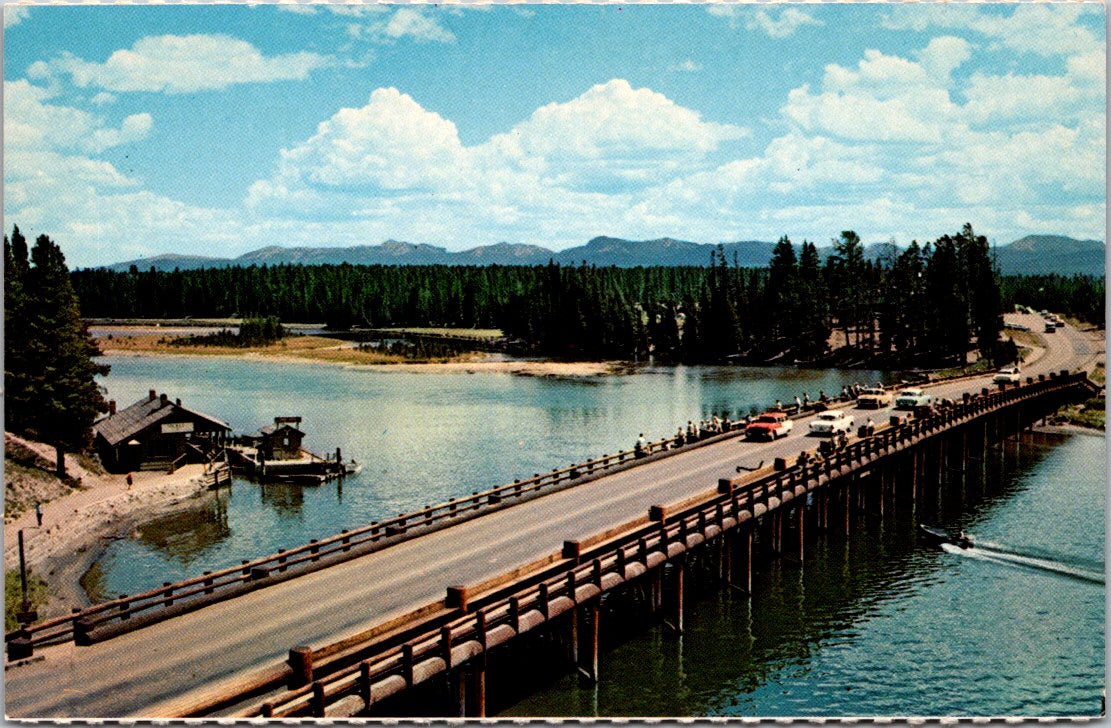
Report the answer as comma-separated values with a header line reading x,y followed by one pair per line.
x,y
144,673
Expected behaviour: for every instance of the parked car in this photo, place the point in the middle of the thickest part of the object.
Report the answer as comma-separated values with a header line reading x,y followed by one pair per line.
x,y
911,398
831,422
1050,327
1016,327
769,426
1008,375
873,398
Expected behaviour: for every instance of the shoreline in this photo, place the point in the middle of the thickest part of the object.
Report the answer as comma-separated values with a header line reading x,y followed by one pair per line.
x,y
78,527
488,364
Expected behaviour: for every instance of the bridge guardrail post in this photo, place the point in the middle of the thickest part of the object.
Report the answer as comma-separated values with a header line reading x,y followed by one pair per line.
x,y
300,661
407,663
515,614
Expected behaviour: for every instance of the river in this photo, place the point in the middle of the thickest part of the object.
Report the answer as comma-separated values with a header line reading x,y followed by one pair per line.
x,y
421,439
880,625
885,625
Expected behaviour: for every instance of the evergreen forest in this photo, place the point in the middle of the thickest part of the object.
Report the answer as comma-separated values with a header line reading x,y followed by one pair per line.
x,y
926,305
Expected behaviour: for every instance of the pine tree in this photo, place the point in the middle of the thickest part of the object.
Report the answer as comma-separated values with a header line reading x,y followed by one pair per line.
x,y
16,363
63,393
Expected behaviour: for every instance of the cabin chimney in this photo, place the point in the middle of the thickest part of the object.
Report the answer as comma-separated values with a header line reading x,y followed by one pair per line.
x,y
163,399
153,396
111,407
178,401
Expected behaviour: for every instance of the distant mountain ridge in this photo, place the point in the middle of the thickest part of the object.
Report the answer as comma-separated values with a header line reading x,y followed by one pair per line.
x,y
1031,255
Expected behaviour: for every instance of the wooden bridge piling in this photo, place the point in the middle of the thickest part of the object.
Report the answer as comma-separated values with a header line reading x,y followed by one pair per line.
x,y
893,471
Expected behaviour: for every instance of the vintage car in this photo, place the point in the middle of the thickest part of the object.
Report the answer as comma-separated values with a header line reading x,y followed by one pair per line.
x,y
1009,375
873,398
911,398
831,422
769,426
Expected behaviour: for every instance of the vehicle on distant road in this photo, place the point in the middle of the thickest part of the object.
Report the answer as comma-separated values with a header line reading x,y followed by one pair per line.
x,y
911,398
873,398
1050,327
1016,327
831,422
1008,375
769,426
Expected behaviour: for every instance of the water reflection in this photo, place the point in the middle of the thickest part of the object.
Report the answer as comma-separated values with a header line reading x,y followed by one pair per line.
x,y
183,536
286,500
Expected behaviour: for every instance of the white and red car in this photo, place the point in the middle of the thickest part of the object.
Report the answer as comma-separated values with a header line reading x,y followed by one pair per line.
x,y
769,426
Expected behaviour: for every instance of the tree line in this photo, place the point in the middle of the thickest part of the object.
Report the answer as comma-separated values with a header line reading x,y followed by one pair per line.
x,y
919,307
1076,295
51,394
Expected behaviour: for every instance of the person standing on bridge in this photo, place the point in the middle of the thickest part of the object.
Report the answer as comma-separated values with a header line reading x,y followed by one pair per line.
x,y
641,448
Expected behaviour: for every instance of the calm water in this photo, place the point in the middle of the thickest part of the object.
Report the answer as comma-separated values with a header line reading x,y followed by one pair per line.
x,y
887,626
880,625
421,439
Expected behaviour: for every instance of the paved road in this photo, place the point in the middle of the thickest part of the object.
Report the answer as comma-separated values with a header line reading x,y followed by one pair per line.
x,y
133,674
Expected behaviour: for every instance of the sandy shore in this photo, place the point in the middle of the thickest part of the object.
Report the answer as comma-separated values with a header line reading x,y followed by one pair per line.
x,y
76,528
479,363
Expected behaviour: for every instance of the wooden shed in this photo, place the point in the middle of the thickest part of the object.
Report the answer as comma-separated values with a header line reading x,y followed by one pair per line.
x,y
281,440
156,433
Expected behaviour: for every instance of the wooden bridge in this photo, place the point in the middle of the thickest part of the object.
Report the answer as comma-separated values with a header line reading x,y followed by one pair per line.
x,y
428,598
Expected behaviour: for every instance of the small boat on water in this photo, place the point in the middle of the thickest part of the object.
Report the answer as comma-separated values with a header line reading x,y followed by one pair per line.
x,y
960,540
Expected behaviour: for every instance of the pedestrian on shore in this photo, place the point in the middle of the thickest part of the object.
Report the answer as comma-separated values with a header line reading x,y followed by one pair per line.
x,y
129,481
778,406
38,513
798,405
806,399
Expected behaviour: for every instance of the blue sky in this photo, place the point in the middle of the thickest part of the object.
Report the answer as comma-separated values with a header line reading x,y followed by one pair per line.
x,y
131,131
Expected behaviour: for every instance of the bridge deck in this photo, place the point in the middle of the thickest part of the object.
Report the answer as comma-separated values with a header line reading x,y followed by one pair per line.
x,y
141,673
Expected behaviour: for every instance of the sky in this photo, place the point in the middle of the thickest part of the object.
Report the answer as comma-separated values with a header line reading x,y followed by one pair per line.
x,y
132,131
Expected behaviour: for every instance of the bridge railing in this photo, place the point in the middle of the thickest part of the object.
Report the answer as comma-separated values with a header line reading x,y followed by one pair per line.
x,y
642,548
173,598
129,611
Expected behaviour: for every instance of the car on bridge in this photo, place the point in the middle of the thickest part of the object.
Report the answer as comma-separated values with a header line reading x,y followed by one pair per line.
x,y
873,398
769,426
1008,375
831,422
912,398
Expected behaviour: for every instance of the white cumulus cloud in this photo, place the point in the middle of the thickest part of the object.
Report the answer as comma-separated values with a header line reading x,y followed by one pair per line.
x,y
614,134
788,21
782,24
14,14
409,22
31,123
182,64
1043,29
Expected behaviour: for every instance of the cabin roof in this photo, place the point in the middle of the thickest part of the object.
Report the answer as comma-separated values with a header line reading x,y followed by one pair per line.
x,y
146,412
271,429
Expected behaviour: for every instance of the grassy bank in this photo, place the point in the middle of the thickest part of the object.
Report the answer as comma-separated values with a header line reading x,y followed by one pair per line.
x,y
1091,414
37,595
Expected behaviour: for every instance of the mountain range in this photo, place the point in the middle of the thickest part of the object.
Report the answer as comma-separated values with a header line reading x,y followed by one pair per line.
x,y
1031,255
